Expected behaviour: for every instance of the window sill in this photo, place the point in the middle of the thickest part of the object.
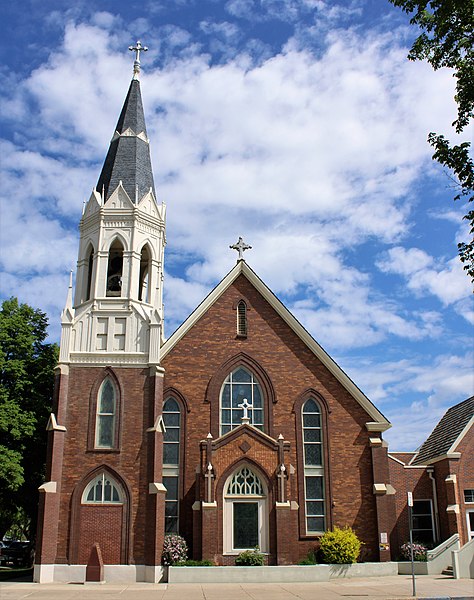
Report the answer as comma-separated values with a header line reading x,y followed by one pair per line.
x,y
237,552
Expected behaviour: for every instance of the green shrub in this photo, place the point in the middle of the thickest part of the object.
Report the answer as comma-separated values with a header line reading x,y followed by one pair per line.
x,y
340,547
196,563
250,558
310,559
175,550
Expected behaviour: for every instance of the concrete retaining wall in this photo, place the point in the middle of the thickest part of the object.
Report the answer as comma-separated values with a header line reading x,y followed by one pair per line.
x,y
112,573
364,570
438,559
278,574
463,561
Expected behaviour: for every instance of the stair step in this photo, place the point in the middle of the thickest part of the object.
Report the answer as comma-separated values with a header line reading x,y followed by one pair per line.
x,y
448,571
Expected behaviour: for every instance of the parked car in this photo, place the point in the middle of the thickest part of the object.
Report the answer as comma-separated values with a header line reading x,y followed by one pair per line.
x,y
3,545
18,554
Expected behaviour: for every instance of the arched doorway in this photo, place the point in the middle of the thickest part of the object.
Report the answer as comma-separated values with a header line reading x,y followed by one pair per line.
x,y
245,512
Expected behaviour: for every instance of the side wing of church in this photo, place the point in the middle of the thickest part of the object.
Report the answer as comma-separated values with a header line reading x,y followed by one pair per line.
x,y
238,431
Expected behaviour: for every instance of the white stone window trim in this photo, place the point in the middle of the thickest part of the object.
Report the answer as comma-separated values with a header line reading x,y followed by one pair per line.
x,y
313,470
465,495
99,414
250,487
470,529
172,469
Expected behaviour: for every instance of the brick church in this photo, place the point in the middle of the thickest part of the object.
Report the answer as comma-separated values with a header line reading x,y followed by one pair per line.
x,y
238,430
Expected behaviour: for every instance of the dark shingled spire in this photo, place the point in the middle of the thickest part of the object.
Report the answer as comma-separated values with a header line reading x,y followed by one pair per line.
x,y
128,159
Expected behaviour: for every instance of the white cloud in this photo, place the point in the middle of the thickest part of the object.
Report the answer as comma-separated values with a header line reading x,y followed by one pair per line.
x,y
444,279
434,384
308,157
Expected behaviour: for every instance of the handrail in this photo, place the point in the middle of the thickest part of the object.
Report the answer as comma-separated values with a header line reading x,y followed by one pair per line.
x,y
432,554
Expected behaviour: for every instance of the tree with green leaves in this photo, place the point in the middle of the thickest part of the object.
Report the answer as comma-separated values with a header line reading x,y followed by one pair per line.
x,y
447,40
26,388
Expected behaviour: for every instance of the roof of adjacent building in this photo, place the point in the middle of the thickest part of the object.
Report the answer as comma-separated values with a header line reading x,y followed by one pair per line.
x,y
128,159
446,433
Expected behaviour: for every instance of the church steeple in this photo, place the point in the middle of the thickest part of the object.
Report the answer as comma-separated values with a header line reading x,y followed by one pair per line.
x,y
128,159
118,306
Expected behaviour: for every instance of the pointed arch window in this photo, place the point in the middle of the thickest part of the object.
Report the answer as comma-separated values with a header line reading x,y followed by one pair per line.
x,y
89,267
171,462
114,269
103,489
144,280
238,386
106,413
242,319
245,483
314,485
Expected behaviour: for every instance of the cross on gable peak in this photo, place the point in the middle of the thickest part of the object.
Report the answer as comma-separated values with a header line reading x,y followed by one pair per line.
x,y
240,246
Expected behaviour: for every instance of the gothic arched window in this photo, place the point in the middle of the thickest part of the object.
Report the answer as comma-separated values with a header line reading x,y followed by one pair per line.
x,y
114,270
106,412
238,386
103,489
314,487
144,280
89,267
171,460
245,483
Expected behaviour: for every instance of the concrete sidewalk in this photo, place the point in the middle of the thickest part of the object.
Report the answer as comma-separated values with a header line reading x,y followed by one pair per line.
x,y
393,587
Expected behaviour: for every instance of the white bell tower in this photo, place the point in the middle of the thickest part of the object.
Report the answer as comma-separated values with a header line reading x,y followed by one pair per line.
x,y
116,317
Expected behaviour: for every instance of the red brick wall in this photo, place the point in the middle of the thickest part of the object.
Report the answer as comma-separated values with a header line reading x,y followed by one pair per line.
x,y
292,369
129,463
466,478
102,525
406,479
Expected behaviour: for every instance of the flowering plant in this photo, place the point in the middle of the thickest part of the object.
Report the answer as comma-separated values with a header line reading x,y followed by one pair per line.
x,y
419,551
175,550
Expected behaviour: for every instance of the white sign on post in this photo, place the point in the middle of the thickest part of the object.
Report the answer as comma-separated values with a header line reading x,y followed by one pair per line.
x,y
410,498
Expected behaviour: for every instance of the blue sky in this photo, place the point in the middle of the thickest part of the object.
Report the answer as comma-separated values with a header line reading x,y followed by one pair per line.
x,y
298,124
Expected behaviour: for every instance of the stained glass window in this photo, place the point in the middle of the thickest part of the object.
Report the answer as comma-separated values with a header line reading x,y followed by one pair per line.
x,y
171,455
245,483
313,467
105,419
245,524
102,490
240,385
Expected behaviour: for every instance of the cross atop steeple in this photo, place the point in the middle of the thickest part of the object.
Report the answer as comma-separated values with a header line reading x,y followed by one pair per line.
x,y
136,65
240,246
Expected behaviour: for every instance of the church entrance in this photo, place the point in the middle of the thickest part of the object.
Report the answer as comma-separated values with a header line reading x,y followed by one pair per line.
x,y
245,512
